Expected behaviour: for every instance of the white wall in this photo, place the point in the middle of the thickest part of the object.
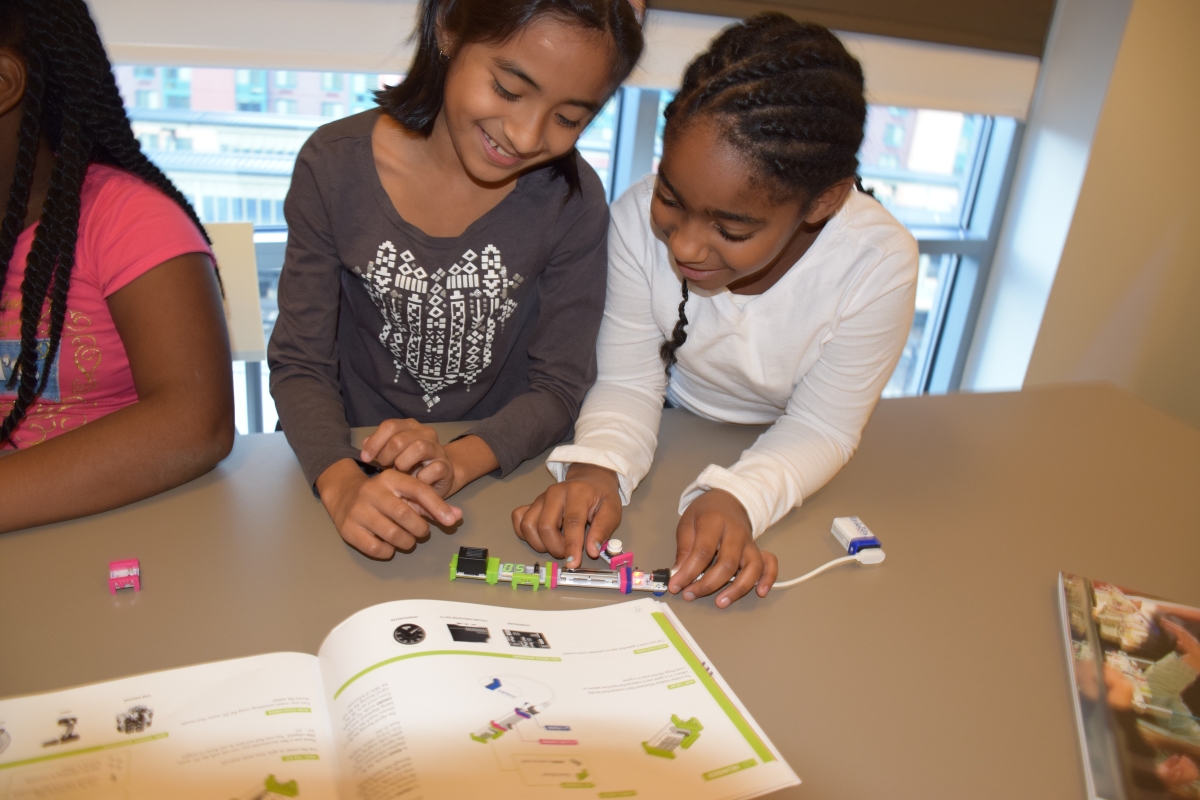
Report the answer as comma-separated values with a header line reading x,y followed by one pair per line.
x,y
370,36
1080,53
1125,305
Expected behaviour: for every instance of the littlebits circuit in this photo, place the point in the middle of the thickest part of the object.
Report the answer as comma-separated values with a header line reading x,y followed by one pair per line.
x,y
473,563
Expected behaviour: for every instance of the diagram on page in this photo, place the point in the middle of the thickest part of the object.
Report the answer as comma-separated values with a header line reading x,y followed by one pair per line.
x,y
531,707
251,729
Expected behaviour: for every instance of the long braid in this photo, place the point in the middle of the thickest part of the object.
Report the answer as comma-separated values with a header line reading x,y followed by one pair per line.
x,y
678,336
18,196
788,96
73,102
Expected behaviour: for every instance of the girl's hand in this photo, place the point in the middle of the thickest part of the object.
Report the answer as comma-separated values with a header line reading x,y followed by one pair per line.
x,y
411,448
558,521
714,538
380,515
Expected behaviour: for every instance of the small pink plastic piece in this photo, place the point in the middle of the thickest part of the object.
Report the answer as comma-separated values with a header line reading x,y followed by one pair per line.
x,y
622,560
626,577
552,572
125,574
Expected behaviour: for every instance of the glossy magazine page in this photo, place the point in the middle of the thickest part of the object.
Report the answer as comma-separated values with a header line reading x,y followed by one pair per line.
x,y
1134,661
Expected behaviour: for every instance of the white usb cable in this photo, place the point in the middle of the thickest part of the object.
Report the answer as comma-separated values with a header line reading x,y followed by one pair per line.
x,y
870,555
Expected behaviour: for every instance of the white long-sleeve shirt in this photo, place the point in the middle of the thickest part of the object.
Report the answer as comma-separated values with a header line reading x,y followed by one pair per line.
x,y
811,356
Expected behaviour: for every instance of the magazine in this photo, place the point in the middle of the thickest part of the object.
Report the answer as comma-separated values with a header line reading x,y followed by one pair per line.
x,y
1134,661
411,699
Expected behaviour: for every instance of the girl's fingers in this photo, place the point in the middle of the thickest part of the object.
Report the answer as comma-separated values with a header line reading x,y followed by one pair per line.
x,y
528,525
770,573
743,583
437,474
550,521
518,514
704,544
366,542
412,526
421,493
580,499
392,437
380,436
386,530
604,522
410,452
726,565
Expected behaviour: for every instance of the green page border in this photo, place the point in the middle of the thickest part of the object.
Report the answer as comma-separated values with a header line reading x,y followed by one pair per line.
x,y
407,656
83,751
718,694
714,689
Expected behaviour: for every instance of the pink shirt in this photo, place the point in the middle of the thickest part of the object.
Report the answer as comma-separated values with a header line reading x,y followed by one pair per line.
x,y
126,228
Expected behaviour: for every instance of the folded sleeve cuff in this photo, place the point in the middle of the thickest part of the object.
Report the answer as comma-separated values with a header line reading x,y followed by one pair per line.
x,y
315,464
563,456
714,477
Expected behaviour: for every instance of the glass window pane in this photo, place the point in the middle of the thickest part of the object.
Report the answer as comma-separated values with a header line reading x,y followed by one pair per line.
x,y
598,142
920,163
935,274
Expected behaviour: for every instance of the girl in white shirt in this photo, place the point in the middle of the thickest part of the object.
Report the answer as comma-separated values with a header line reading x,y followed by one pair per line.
x,y
797,298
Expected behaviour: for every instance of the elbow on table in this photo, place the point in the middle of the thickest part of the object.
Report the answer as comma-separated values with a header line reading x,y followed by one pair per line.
x,y
206,440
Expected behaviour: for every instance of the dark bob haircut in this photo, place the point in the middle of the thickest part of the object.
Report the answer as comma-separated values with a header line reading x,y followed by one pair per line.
x,y
416,101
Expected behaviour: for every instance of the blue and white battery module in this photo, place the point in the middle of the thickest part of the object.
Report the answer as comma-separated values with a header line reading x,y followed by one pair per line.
x,y
854,535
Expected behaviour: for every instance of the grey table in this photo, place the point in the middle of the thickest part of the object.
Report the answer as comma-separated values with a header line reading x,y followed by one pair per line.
x,y
939,674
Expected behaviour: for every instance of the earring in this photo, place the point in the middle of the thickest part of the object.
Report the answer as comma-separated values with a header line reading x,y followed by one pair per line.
x,y
442,53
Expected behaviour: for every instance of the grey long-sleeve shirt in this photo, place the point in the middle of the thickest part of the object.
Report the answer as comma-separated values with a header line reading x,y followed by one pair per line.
x,y
378,320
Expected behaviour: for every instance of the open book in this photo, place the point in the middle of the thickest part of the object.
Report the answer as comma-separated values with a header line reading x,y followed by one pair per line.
x,y
1134,659
412,699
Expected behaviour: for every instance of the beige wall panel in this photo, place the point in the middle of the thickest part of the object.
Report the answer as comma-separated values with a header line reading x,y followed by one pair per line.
x,y
1125,306
371,36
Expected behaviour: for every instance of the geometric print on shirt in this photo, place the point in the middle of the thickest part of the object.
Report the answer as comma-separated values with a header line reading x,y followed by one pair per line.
x,y
439,326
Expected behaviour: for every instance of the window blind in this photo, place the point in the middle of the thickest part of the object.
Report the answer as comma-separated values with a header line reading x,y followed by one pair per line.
x,y
1007,26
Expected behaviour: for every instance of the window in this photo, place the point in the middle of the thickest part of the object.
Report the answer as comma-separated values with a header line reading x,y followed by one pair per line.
x,y
893,135
598,140
146,98
940,173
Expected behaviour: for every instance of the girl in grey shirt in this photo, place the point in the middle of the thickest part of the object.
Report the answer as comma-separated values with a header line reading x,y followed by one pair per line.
x,y
446,261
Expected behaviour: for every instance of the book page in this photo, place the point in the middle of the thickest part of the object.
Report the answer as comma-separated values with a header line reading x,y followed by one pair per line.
x,y
435,700
251,729
1135,670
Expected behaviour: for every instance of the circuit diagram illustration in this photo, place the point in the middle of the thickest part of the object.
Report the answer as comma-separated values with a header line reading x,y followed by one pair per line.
x,y
525,698
676,734
136,720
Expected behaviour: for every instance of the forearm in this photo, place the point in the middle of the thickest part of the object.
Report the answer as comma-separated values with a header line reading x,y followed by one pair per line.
x,y
617,429
129,455
788,463
472,459
313,419
528,425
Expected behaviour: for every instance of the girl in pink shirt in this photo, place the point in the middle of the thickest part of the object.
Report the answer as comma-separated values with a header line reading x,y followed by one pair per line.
x,y
114,360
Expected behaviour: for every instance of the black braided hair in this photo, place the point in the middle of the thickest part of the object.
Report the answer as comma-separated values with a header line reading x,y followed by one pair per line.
x,y
788,96
71,100
416,101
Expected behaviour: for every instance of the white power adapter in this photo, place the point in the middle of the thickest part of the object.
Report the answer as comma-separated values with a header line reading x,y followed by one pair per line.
x,y
861,546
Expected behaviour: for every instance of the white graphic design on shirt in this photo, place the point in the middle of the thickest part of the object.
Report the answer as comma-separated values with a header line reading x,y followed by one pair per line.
x,y
440,327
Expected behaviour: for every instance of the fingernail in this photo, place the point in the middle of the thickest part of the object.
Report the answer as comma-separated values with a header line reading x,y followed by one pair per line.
x,y
570,559
689,596
723,602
